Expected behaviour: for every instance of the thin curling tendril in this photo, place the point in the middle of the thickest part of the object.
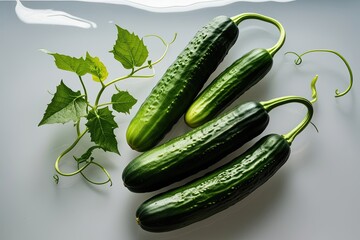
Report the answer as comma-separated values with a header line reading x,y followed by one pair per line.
x,y
299,60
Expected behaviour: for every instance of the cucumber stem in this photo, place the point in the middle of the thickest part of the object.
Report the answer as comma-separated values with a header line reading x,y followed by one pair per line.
x,y
244,16
273,103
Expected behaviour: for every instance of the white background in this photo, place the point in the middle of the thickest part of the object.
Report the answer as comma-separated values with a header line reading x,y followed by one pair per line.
x,y
314,196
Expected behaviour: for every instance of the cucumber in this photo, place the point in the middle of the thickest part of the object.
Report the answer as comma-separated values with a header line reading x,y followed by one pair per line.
x,y
228,86
234,81
183,80
195,150
199,148
224,186
215,191
180,84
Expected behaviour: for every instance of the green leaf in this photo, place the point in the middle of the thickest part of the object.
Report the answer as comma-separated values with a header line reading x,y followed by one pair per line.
x,y
86,155
123,101
101,126
129,49
65,106
72,64
96,68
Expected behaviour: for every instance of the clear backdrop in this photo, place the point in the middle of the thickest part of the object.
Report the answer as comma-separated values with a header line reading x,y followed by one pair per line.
x,y
315,196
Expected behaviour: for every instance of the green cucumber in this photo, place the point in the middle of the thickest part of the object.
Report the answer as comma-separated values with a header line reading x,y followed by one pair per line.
x,y
199,148
216,191
181,83
221,188
183,80
233,81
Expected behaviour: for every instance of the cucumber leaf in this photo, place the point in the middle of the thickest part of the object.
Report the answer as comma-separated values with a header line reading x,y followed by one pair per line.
x,y
122,101
101,126
129,49
81,66
72,64
65,106
96,68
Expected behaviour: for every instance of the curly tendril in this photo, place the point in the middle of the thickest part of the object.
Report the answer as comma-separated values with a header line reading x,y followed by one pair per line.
x,y
80,168
299,60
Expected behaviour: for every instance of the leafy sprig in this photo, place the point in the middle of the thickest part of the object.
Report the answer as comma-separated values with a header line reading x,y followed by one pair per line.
x,y
68,105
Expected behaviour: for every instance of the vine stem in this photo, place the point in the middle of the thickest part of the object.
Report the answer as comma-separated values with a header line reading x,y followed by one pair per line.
x,y
66,151
84,88
244,16
103,169
78,128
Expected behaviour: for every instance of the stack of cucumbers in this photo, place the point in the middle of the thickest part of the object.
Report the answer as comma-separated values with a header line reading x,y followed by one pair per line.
x,y
215,133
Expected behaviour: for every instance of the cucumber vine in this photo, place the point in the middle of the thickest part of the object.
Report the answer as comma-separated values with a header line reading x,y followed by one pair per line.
x,y
73,106
299,60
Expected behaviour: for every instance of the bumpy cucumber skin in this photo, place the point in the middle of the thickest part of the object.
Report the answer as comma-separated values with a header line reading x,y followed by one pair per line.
x,y
215,191
229,85
180,84
196,150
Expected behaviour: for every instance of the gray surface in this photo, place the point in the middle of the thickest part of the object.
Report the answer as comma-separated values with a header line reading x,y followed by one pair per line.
x,y
314,196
